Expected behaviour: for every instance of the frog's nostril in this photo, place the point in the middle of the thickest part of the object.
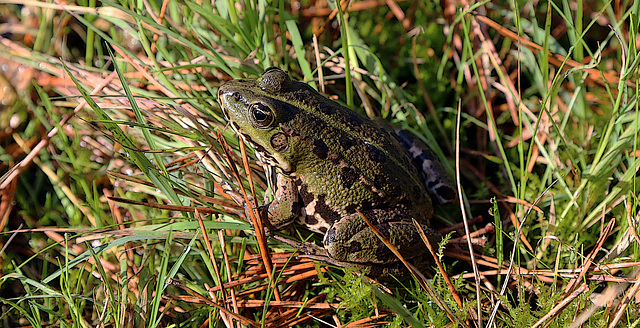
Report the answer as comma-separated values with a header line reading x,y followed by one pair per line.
x,y
236,96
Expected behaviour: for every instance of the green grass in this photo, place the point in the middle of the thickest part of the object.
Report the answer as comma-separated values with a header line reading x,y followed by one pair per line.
x,y
121,218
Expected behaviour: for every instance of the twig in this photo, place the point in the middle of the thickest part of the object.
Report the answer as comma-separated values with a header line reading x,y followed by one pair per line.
x,y
467,230
513,254
556,309
625,301
445,276
589,259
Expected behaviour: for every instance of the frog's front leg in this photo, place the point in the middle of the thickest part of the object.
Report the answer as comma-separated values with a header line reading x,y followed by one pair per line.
x,y
286,206
351,240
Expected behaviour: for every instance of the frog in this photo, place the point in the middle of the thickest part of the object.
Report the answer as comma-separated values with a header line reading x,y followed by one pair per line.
x,y
328,166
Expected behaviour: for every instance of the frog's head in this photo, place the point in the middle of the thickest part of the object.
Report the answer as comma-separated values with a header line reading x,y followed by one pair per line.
x,y
259,112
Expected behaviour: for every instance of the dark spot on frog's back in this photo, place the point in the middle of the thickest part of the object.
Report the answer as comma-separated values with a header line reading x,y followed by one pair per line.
x,y
328,214
301,97
311,220
326,108
447,193
320,149
380,180
417,162
375,154
306,196
354,247
346,142
353,118
349,177
373,215
351,208
417,189
306,95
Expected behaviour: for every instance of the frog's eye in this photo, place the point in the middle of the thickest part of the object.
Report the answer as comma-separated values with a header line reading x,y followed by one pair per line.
x,y
260,115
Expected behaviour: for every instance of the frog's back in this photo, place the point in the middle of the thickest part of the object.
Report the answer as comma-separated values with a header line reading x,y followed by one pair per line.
x,y
352,143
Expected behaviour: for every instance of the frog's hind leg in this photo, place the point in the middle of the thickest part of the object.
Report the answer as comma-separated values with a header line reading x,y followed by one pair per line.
x,y
365,246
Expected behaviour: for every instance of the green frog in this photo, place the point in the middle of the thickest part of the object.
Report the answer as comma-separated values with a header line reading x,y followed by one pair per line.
x,y
325,162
